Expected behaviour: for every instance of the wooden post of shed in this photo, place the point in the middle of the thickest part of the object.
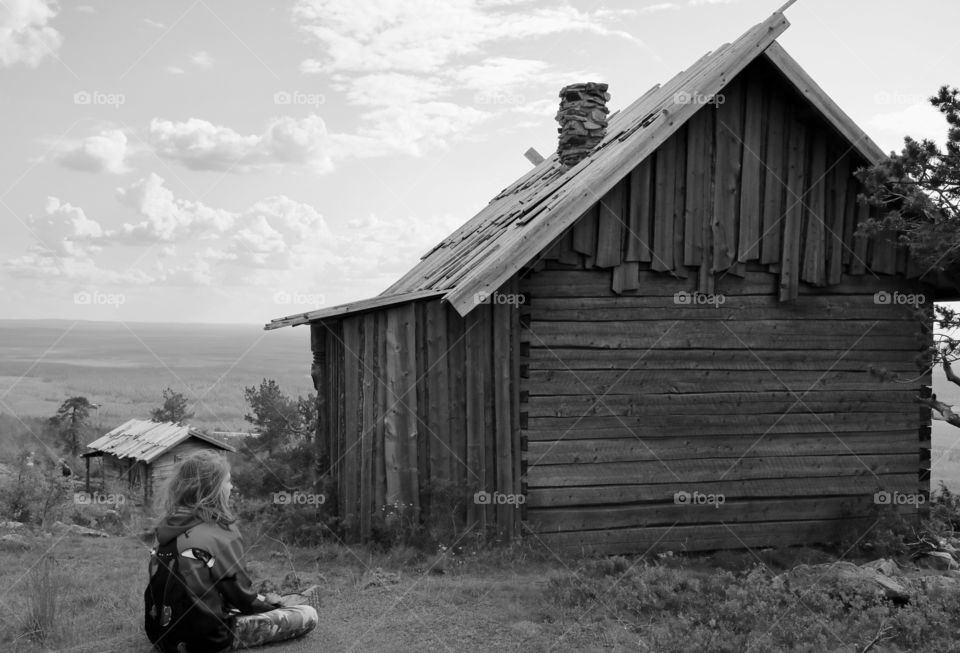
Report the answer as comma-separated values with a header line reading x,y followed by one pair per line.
x,y
87,459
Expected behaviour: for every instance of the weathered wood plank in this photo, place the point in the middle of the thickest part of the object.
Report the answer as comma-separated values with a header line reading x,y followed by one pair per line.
x,y
797,487
565,252
517,360
664,426
395,451
613,216
793,215
702,537
699,185
457,363
678,142
731,511
589,411
839,179
381,398
352,342
775,178
728,164
503,316
688,471
813,267
626,277
837,310
475,408
588,452
367,424
487,435
858,262
664,198
566,382
585,232
410,424
438,393
751,199
421,408
639,240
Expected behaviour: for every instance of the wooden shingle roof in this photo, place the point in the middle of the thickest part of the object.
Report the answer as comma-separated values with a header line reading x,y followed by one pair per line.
x,y
145,440
525,218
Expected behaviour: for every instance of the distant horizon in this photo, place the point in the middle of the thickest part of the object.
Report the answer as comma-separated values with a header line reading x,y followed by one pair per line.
x,y
118,322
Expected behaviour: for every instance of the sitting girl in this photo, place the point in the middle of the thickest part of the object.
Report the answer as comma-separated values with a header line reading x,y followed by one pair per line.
x,y
204,603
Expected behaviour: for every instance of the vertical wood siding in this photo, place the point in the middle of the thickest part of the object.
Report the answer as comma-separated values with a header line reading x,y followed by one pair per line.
x,y
417,401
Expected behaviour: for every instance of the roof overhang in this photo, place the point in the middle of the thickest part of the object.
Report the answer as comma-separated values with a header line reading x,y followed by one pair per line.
x,y
350,308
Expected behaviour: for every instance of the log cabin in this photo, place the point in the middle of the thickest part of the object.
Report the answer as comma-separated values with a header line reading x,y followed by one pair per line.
x,y
139,456
664,343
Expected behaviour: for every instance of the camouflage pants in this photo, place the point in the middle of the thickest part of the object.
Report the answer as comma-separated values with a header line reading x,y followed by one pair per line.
x,y
274,626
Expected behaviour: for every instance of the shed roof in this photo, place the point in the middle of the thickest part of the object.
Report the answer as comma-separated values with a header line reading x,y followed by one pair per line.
x,y
145,440
526,217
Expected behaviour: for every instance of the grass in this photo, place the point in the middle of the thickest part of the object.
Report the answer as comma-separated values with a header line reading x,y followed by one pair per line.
x,y
518,598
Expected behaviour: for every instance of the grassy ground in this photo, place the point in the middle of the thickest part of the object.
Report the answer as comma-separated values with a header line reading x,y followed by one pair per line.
x,y
488,607
495,600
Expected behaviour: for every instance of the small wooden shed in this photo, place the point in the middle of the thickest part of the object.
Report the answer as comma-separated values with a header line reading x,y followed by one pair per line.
x,y
665,345
141,454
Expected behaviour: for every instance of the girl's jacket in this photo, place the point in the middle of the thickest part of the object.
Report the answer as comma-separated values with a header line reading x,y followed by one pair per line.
x,y
210,562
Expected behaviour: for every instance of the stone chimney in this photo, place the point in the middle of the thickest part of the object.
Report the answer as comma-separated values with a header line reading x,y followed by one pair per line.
x,y
583,120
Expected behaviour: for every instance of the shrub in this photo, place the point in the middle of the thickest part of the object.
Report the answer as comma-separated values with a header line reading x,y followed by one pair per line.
x,y
35,493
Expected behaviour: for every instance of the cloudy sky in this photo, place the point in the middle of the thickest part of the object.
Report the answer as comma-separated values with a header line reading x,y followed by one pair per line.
x,y
224,161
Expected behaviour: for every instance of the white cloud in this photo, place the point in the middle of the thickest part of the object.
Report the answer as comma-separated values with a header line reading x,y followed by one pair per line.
x,y
407,128
499,72
919,121
66,230
391,88
656,8
421,71
166,218
201,145
180,242
174,70
202,59
104,152
154,23
380,35
25,36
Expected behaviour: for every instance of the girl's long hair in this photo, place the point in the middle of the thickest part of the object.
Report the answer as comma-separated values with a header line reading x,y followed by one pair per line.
x,y
197,487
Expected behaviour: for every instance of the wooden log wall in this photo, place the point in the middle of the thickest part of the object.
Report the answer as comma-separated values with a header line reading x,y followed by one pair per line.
x,y
634,397
419,403
759,176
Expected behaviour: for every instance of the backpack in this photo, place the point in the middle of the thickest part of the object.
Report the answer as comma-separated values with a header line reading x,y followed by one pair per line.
x,y
174,618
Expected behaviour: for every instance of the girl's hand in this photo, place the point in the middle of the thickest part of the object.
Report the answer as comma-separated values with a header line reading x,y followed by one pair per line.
x,y
272,598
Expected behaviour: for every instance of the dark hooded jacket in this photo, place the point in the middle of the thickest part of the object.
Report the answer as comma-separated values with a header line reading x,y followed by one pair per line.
x,y
221,584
